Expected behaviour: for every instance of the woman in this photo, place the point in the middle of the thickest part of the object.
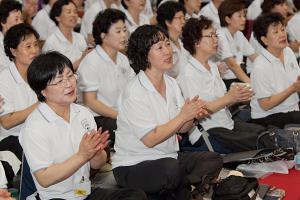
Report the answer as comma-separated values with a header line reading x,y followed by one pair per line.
x,y
171,17
21,46
60,139
64,39
104,73
151,111
192,7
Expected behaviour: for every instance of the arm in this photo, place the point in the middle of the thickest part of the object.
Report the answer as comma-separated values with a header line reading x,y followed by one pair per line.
x,y
13,119
77,62
253,57
91,101
236,69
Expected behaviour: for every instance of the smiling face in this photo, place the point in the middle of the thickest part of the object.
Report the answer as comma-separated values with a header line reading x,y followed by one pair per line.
x,y
26,51
116,38
68,16
15,17
160,55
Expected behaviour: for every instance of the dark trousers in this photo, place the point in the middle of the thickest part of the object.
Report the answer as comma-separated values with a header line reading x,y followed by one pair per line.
x,y
279,119
243,137
112,194
107,124
170,178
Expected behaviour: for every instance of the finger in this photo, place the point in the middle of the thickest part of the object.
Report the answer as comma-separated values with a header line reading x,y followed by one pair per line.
x,y
187,100
195,98
100,130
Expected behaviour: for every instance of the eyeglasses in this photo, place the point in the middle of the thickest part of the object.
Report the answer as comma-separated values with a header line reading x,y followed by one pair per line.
x,y
63,82
180,18
211,35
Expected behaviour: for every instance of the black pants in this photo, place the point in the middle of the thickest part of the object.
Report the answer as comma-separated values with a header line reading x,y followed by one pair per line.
x,y
107,124
170,178
112,194
279,119
243,137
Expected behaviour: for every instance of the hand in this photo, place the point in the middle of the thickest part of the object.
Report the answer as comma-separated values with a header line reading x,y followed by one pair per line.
x,y
193,109
296,85
5,195
240,93
92,142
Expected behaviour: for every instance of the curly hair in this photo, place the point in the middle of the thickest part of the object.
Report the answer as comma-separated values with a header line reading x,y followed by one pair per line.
x,y
140,43
192,32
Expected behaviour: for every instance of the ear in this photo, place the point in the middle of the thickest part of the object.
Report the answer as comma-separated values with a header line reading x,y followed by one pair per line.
x,y
43,93
264,40
102,35
57,19
167,23
13,51
228,19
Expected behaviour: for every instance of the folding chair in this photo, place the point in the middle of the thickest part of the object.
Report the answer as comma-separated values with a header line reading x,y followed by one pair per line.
x,y
27,187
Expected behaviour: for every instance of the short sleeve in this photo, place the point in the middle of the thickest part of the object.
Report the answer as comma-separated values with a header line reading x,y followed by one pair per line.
x,y
89,80
8,95
247,49
224,51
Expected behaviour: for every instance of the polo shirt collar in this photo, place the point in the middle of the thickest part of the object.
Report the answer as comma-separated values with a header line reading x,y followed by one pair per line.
x,y
196,64
1,37
15,74
228,34
213,8
146,83
51,116
47,8
61,36
100,51
270,57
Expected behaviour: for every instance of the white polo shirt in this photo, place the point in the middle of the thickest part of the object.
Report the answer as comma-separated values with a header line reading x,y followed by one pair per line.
x,y
17,96
293,28
211,12
194,80
254,9
48,139
43,24
4,60
270,77
130,23
141,110
98,73
90,15
179,59
235,46
58,42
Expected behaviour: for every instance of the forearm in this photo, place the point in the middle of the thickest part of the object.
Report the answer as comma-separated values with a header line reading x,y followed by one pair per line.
x,y
13,119
186,127
220,103
59,172
272,101
237,70
100,108
98,160
163,132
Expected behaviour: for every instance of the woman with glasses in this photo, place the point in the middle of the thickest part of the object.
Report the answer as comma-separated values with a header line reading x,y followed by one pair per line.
x,y
171,17
151,113
60,139
64,40
21,46
201,77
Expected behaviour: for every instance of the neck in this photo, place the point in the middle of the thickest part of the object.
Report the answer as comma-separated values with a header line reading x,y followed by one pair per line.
x,y
67,32
156,77
278,53
135,15
189,11
174,36
231,30
112,53
61,110
22,69
108,3
217,4
203,59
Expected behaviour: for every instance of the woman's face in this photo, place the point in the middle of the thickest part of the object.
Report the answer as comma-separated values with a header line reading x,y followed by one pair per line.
x,y
15,17
62,89
26,51
117,36
137,5
193,5
276,38
282,8
160,55
209,42
237,21
68,17
177,22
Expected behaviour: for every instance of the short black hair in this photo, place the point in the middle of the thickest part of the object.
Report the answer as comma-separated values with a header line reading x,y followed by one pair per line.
x,y
44,69
192,32
6,6
57,9
46,2
104,20
228,8
297,4
15,35
167,11
140,43
268,5
262,24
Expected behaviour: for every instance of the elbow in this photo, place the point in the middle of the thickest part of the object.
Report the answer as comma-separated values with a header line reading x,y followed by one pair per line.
x,y
149,144
43,183
6,124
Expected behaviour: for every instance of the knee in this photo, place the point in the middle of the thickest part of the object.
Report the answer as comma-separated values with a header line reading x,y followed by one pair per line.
x,y
171,170
135,194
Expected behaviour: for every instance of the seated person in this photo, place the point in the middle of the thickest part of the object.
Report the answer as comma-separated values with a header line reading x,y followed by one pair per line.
x,y
60,139
151,113
170,16
192,8
64,39
10,15
211,12
104,73
276,75
233,45
133,10
42,22
21,46
201,77
293,28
